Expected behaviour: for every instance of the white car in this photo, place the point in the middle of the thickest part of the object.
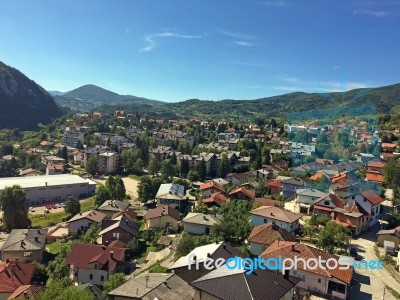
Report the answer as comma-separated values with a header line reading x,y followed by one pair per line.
x,y
31,209
59,205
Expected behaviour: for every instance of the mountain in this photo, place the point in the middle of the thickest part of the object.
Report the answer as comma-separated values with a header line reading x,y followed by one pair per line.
x,y
56,93
23,103
87,97
359,101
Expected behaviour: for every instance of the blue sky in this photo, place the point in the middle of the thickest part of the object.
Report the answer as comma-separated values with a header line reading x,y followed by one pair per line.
x,y
174,50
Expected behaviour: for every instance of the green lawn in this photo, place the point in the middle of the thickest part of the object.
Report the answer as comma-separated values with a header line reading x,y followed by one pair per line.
x,y
51,219
55,247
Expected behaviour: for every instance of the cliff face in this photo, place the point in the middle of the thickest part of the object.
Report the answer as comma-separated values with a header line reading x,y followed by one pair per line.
x,y
23,103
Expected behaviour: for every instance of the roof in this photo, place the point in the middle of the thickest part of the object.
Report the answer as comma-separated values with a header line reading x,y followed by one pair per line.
x,y
276,213
214,250
266,234
164,240
376,164
92,215
202,219
227,284
371,175
292,250
335,200
83,255
163,210
245,191
389,145
171,191
13,275
218,198
27,291
28,171
211,184
114,205
221,181
294,181
122,223
372,197
57,167
25,240
166,286
310,192
41,181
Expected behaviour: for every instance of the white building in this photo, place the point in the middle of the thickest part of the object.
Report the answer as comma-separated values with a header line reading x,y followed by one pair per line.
x,y
198,223
108,162
51,188
280,217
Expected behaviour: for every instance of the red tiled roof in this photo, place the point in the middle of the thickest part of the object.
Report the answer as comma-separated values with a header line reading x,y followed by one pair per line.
x,y
316,176
27,292
372,197
389,145
371,175
275,183
163,210
83,255
323,208
247,192
387,155
376,164
292,250
58,167
13,275
266,234
218,198
211,184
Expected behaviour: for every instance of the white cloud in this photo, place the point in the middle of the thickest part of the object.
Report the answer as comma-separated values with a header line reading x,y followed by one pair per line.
x,y
151,39
243,43
276,3
236,35
373,13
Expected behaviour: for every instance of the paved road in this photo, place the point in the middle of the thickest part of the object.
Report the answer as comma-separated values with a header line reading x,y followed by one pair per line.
x,y
370,284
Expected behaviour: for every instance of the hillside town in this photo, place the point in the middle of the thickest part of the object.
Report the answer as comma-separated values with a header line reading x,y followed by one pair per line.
x,y
122,206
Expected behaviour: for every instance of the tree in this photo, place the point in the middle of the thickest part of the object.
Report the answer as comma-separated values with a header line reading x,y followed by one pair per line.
x,y
262,189
173,159
167,168
62,290
224,166
57,268
115,187
15,210
63,153
148,187
201,169
112,283
333,236
91,165
392,173
186,244
91,235
185,167
154,166
72,206
102,194
193,176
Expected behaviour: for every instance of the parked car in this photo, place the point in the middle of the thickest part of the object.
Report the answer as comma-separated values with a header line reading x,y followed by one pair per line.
x,y
53,206
59,205
48,206
46,210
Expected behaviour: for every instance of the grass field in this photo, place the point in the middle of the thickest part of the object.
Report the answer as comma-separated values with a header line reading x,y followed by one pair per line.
x,y
52,219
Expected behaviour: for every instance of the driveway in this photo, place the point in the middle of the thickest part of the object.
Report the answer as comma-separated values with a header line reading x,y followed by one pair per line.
x,y
370,284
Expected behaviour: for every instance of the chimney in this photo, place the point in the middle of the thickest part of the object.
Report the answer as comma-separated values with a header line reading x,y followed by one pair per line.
x,y
208,255
39,232
112,255
224,246
7,260
36,239
286,275
293,249
16,261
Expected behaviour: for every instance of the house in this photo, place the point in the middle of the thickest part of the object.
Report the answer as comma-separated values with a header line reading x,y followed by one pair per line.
x,y
389,147
153,286
351,216
162,218
216,199
120,228
172,195
365,157
29,291
374,176
370,201
227,284
221,181
305,198
270,214
92,289
51,159
238,178
54,169
30,172
242,193
24,245
185,267
108,162
275,187
392,235
289,186
95,263
79,157
198,223
13,276
82,221
326,204
332,283
262,236
110,207
209,188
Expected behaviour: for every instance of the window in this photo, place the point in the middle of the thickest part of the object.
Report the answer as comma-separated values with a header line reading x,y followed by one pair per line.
x,y
116,235
27,254
326,203
91,276
319,280
101,278
265,220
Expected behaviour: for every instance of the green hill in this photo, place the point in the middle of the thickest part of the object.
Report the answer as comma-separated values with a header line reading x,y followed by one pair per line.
x,y
87,97
23,103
